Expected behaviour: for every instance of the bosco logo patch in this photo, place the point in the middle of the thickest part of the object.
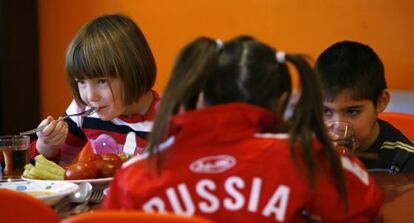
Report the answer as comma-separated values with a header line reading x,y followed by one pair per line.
x,y
213,164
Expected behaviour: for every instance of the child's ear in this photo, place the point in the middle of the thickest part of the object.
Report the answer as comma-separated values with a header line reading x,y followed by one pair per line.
x,y
383,101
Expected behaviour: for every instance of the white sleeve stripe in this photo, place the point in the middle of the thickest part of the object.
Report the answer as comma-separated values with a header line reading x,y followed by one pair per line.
x,y
145,126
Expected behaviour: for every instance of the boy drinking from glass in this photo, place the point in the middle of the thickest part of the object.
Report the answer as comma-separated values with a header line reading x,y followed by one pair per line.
x,y
355,91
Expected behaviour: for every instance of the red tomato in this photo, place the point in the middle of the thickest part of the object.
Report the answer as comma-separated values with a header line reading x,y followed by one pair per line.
x,y
108,165
90,158
81,171
106,168
115,159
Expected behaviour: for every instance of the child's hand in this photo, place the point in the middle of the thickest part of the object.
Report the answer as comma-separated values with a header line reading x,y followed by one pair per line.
x,y
52,137
334,137
341,134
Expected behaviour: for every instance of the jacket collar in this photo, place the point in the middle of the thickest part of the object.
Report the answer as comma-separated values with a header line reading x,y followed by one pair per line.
x,y
226,119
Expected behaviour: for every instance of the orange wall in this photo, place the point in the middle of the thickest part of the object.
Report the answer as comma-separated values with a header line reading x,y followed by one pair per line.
x,y
293,26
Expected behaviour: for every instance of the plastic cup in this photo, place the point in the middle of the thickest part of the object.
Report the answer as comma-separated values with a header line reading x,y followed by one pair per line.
x,y
15,151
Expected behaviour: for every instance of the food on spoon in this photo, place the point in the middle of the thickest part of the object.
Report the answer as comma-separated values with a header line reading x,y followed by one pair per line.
x,y
81,171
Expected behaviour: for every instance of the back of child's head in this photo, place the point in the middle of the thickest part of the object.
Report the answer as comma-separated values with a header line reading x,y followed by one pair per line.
x,y
246,70
353,68
111,46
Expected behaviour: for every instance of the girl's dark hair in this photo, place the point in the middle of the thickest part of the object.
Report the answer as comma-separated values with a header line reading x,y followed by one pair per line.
x,y
111,46
246,70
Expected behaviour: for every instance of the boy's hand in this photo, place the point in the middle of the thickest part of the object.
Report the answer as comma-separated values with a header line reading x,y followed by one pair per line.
x,y
52,137
342,138
334,137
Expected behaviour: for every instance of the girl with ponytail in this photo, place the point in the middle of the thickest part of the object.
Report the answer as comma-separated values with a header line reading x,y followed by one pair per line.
x,y
221,149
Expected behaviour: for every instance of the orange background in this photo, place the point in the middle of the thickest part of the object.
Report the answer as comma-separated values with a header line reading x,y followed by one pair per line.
x,y
293,26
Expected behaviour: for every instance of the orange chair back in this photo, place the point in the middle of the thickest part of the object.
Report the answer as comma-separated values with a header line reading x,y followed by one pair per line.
x,y
132,217
404,122
20,207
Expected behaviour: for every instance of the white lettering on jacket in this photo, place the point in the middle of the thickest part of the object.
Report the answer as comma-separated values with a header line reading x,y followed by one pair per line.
x,y
201,190
156,204
234,197
213,164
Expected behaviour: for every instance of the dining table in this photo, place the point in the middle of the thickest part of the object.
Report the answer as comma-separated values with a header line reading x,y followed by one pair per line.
x,y
398,204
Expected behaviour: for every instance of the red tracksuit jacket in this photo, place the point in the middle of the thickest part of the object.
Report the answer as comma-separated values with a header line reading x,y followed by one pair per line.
x,y
220,164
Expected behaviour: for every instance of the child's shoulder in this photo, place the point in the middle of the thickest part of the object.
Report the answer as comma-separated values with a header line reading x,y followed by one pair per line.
x,y
391,136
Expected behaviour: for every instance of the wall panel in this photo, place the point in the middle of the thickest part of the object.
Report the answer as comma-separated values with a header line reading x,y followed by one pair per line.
x,y
294,26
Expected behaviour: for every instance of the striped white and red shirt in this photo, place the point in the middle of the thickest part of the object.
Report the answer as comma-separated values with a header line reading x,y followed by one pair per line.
x,y
114,136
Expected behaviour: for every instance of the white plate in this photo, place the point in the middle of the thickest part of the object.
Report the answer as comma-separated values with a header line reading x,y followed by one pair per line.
x,y
96,183
54,190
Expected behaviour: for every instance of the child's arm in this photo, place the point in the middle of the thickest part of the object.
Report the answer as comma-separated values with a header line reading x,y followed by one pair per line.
x,y
62,140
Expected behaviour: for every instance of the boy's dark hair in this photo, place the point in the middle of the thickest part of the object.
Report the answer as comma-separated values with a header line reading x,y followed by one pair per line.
x,y
246,70
352,67
111,46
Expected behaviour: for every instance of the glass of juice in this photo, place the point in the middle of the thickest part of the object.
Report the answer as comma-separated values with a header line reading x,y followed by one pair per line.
x,y
344,140
15,151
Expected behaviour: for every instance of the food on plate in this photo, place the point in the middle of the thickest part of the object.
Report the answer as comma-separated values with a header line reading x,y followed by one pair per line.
x,y
44,169
108,165
88,167
125,157
90,158
115,159
81,171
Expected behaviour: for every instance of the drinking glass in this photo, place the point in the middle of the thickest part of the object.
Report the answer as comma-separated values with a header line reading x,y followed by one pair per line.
x,y
344,140
15,150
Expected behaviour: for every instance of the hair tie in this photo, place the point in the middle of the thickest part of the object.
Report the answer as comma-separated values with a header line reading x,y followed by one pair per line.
x,y
219,43
281,57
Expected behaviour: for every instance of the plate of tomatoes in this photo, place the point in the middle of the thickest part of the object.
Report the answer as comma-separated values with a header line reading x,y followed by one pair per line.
x,y
97,169
93,166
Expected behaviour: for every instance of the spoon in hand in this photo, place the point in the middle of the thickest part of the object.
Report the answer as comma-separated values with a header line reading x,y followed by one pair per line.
x,y
82,114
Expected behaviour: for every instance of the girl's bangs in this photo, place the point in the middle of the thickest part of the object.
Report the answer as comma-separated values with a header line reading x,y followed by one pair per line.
x,y
87,62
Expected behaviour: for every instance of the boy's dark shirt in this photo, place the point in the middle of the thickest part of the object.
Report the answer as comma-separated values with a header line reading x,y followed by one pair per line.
x,y
395,150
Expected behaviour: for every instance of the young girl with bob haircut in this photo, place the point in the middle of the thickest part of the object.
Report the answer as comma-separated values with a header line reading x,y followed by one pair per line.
x,y
110,67
220,148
